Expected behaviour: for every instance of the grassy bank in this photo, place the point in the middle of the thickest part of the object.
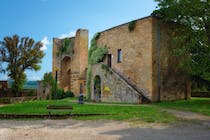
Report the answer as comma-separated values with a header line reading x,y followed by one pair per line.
x,y
199,105
116,112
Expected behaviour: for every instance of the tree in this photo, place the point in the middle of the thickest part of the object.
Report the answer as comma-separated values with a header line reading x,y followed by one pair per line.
x,y
193,38
20,55
49,81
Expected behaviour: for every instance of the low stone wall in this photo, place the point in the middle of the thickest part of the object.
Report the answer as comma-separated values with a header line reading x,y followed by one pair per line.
x,y
201,94
113,88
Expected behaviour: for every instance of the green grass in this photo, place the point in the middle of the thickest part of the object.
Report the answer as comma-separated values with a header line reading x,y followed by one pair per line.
x,y
116,112
128,112
200,105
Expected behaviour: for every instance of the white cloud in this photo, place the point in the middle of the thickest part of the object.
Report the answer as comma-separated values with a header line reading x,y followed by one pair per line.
x,y
70,34
45,42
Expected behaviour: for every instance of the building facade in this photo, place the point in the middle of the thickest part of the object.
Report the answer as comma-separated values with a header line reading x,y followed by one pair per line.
x,y
139,66
70,60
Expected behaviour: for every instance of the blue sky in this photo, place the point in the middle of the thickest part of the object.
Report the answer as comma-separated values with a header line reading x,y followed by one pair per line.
x,y
45,19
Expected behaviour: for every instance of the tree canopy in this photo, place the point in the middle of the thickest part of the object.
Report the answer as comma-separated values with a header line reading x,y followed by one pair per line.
x,y
193,39
20,55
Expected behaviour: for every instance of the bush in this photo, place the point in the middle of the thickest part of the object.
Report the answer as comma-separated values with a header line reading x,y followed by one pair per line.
x,y
31,93
5,100
61,94
68,94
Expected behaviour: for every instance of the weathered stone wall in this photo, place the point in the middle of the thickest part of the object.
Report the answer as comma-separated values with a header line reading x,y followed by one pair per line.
x,y
72,67
136,49
173,81
147,59
113,88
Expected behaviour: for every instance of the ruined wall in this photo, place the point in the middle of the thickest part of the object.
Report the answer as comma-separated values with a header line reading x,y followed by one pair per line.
x,y
79,61
136,49
113,88
56,60
172,79
71,66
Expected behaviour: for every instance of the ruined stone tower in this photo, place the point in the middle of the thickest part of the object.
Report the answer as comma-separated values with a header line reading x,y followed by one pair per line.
x,y
70,60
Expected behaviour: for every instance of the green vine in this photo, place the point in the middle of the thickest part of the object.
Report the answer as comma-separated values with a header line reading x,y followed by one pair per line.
x,y
95,55
66,46
132,25
106,68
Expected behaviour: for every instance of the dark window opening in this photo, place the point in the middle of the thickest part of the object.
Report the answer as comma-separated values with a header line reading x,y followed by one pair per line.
x,y
109,61
119,55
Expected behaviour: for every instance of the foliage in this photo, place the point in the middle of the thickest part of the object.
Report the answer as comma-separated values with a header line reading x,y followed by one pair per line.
x,y
49,81
106,68
132,25
93,46
61,94
55,92
20,55
5,100
95,55
31,93
193,38
200,85
88,85
67,46
98,55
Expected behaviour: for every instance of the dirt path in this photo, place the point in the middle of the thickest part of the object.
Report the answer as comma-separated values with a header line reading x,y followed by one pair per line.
x,y
98,130
188,115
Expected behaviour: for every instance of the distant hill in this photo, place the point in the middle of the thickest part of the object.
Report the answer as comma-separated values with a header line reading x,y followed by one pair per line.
x,y
27,85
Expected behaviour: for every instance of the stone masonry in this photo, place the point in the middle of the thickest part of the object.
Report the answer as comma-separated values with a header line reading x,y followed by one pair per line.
x,y
70,63
147,61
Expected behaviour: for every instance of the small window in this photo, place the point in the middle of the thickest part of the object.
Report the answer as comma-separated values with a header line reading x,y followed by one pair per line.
x,y
119,55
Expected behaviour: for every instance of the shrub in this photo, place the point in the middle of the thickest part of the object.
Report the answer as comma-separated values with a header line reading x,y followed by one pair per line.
x,y
5,100
132,25
69,94
61,94
31,93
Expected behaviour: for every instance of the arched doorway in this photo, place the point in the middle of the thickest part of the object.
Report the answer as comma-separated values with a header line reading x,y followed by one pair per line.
x,y
97,88
65,73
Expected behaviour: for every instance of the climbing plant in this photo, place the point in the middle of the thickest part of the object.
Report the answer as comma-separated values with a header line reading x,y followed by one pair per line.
x,y
67,46
132,25
96,54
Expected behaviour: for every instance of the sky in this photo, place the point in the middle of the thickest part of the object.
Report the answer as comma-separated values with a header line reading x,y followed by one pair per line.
x,y
44,19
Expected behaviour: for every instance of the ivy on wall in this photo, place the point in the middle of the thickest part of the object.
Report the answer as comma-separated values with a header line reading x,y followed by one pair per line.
x,y
95,55
132,25
67,46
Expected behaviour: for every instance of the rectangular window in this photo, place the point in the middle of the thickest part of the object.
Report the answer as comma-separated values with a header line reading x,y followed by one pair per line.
x,y
119,55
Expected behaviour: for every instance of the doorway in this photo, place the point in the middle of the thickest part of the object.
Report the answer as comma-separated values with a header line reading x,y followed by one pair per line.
x,y
109,60
97,88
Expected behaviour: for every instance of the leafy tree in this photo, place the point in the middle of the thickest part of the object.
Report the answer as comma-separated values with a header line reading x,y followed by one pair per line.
x,y
49,81
193,38
20,55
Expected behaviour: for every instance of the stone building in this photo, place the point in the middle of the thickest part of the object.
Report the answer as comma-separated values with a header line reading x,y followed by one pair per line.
x,y
139,66
70,60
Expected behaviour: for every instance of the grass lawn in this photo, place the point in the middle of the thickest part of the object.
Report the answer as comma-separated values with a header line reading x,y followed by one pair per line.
x,y
128,112
116,112
200,105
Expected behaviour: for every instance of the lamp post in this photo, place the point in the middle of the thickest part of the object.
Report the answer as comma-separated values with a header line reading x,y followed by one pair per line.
x,y
56,80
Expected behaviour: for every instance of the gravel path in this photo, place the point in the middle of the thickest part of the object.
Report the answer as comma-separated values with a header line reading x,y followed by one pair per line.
x,y
100,130
188,115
